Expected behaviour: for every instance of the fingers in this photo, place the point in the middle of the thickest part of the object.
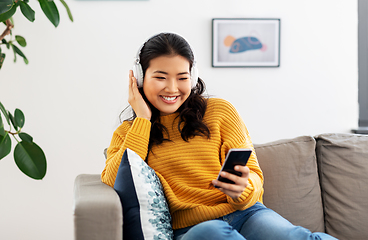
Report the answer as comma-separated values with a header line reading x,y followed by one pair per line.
x,y
133,88
136,100
233,190
130,84
132,81
240,182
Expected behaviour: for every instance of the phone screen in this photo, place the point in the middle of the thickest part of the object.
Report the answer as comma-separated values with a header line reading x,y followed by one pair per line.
x,y
235,156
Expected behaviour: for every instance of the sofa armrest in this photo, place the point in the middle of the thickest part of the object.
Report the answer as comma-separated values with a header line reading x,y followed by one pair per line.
x,y
97,210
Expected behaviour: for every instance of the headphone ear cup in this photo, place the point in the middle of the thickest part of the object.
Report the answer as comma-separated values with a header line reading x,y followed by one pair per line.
x,y
138,74
194,75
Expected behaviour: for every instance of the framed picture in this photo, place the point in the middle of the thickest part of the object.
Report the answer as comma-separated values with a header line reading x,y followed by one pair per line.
x,y
245,42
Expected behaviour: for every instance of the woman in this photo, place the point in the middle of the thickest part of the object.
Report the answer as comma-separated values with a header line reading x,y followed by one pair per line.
x,y
185,137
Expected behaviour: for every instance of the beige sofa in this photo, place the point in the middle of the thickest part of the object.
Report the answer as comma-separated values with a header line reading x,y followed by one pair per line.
x,y
320,183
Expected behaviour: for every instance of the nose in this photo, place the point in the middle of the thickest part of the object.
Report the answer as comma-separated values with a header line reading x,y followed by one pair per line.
x,y
171,86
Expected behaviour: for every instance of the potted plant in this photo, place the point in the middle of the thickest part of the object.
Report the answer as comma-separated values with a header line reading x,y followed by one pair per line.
x,y
28,156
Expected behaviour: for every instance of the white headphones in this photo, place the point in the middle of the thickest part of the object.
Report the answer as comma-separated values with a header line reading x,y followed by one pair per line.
x,y
138,71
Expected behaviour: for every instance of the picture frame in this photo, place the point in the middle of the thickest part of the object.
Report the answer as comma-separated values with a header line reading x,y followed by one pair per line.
x,y
245,42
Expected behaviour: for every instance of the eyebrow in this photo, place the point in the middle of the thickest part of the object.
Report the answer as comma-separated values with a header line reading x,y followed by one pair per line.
x,y
162,72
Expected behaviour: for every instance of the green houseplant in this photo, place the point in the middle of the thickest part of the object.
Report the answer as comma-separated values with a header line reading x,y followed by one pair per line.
x,y
28,156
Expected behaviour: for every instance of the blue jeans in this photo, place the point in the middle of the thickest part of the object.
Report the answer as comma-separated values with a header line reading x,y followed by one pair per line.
x,y
254,223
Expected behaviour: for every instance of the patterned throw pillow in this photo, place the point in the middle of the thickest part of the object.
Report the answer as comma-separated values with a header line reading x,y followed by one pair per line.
x,y
145,210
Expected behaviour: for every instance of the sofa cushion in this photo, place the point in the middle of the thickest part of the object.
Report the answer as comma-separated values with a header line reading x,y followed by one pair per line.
x,y
145,211
291,181
343,168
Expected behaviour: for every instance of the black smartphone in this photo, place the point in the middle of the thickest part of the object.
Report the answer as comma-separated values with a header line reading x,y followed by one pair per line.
x,y
235,156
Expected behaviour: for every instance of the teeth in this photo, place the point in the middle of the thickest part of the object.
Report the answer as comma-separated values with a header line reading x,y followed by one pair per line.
x,y
168,98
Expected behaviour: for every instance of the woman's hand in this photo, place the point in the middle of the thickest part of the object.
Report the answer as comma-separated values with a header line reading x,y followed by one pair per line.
x,y
136,100
240,182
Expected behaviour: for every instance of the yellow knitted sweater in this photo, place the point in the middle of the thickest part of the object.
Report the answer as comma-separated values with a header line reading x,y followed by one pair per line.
x,y
186,169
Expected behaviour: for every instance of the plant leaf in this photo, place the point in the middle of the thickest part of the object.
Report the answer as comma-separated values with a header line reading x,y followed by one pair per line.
x,y
2,58
12,120
2,131
5,42
5,145
30,159
27,11
19,117
3,110
17,50
6,5
50,10
25,137
67,9
8,13
15,53
21,40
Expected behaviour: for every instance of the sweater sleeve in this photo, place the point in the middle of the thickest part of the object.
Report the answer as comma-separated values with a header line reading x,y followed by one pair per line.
x,y
234,134
134,136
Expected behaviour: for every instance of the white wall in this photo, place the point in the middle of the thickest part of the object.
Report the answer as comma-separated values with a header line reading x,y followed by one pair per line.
x,y
76,85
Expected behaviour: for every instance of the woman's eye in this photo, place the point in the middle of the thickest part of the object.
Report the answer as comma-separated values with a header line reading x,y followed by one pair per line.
x,y
161,78
183,78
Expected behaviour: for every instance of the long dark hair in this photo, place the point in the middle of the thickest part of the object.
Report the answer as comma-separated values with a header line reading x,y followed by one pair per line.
x,y
191,112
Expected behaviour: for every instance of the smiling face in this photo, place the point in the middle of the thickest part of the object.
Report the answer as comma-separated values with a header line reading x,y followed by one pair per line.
x,y
167,83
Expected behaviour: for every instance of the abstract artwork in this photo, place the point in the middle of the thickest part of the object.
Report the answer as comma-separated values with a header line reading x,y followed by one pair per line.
x,y
245,42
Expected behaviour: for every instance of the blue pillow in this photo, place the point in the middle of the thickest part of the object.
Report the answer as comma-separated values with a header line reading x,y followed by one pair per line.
x,y
145,211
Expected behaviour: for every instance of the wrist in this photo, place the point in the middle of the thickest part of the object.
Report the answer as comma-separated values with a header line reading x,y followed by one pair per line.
x,y
145,117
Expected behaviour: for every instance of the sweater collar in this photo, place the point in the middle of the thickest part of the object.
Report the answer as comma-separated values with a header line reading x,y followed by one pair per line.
x,y
168,118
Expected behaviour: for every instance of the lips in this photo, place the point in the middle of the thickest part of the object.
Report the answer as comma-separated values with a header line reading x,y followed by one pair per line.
x,y
169,99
